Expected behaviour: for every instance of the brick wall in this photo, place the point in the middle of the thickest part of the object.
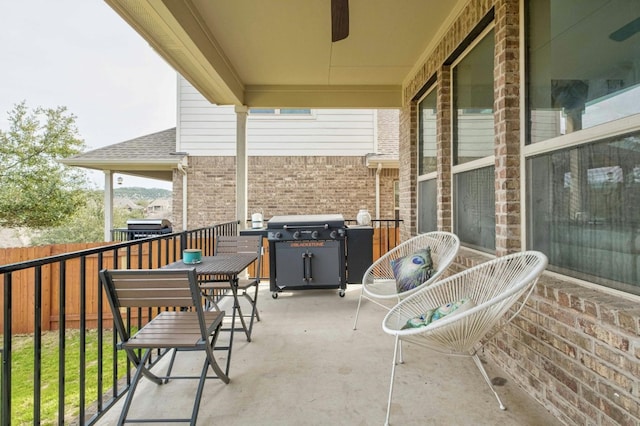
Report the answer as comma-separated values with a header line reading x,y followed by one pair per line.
x,y
586,349
573,348
282,186
387,128
211,192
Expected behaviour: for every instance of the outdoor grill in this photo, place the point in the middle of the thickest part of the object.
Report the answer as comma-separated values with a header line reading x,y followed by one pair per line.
x,y
307,252
143,228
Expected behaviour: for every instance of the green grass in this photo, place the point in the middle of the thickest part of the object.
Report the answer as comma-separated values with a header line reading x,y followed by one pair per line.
x,y
22,375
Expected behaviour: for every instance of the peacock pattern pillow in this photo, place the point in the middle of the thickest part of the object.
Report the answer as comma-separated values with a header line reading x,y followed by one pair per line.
x,y
432,315
412,270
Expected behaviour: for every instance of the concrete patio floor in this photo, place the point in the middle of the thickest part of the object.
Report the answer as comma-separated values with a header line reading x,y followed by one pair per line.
x,y
306,366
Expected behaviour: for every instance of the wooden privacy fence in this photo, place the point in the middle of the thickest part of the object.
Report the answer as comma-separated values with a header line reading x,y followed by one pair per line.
x,y
81,294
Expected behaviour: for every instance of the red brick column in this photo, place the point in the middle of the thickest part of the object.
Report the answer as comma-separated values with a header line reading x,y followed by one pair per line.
x,y
507,127
408,169
443,146
176,201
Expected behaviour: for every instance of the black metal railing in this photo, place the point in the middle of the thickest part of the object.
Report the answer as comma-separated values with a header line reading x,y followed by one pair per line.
x,y
73,277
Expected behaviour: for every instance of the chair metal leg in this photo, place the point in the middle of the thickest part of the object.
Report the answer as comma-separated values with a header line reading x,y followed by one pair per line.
x,y
237,310
400,357
173,358
355,322
393,372
254,303
212,362
231,333
254,309
209,361
196,404
134,384
476,359
210,300
140,365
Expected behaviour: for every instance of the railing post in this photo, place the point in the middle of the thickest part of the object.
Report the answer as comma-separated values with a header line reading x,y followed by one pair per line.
x,y
183,241
6,353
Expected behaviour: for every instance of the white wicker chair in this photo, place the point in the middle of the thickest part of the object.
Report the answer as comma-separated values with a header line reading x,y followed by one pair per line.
x,y
378,282
496,287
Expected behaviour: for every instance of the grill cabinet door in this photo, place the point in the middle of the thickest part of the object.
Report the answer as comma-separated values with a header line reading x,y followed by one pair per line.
x,y
308,263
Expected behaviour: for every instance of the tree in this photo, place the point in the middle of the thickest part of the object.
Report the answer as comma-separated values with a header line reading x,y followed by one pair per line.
x,y
36,190
86,225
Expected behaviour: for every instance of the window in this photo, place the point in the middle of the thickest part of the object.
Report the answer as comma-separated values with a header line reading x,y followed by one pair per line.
x,y
473,103
584,67
295,111
585,203
428,206
475,211
473,141
427,180
583,143
280,111
427,134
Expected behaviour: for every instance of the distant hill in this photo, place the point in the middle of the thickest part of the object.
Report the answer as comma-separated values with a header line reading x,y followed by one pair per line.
x,y
139,193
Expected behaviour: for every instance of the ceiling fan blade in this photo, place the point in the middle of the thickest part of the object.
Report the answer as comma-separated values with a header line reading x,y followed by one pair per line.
x,y
626,31
339,19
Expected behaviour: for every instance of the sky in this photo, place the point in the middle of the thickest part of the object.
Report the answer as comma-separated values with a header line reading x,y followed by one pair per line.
x,y
80,54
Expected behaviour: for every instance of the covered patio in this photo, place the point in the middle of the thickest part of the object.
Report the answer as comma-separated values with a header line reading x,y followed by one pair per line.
x,y
575,347
283,54
306,366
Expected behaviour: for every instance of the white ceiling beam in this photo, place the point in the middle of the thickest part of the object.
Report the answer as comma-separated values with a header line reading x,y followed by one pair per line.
x,y
172,29
311,96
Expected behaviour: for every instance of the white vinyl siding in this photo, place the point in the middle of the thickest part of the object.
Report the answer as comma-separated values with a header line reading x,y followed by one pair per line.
x,y
209,130
545,124
475,136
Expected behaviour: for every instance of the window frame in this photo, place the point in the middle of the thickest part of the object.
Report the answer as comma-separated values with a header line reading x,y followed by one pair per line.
x,y
277,115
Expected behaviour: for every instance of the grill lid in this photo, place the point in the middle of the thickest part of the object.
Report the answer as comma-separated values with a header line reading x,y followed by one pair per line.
x,y
148,224
310,220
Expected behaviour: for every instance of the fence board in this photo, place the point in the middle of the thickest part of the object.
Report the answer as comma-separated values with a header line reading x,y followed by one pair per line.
x,y
23,286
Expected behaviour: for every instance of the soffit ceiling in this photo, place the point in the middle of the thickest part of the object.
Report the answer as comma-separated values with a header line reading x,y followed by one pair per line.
x,y
278,53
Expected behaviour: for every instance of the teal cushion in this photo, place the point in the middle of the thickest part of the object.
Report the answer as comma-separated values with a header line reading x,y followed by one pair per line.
x,y
412,270
432,315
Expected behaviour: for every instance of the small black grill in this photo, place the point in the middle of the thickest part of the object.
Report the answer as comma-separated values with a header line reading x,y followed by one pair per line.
x,y
143,228
307,252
